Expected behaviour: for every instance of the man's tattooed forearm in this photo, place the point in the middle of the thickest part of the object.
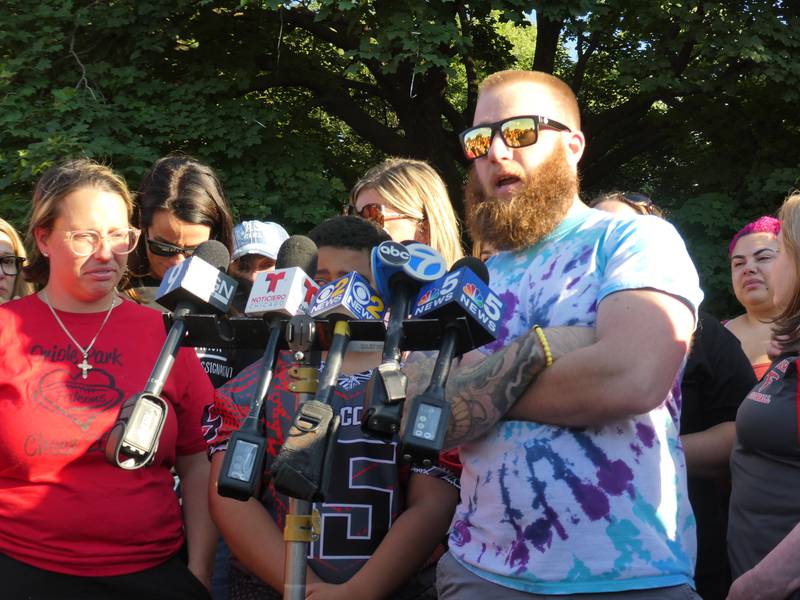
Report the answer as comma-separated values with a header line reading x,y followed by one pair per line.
x,y
481,394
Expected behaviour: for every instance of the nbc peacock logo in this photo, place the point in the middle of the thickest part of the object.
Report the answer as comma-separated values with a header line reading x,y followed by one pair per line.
x,y
428,296
471,290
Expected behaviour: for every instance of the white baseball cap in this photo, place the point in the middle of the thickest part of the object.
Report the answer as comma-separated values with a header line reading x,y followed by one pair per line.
x,y
258,237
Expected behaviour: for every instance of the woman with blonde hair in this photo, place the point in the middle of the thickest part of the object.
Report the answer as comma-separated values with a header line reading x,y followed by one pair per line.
x,y
409,200
764,524
12,257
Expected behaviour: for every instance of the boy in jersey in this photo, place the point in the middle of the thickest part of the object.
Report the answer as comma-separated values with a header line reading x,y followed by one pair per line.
x,y
379,524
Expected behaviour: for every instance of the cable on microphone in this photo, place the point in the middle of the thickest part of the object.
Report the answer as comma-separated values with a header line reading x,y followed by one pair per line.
x,y
285,292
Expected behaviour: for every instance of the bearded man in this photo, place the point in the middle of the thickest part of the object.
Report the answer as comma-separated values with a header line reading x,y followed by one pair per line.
x,y
574,480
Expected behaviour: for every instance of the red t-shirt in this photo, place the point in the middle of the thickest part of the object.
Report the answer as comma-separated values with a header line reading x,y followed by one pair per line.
x,y
63,507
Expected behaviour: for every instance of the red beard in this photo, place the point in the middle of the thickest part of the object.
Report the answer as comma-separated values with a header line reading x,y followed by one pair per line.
x,y
531,214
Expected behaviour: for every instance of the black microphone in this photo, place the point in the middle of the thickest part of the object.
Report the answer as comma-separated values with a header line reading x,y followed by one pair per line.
x,y
195,284
285,292
429,414
299,470
400,271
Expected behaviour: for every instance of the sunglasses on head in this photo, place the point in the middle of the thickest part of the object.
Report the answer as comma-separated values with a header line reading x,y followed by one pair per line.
x,y
637,198
165,249
374,213
517,132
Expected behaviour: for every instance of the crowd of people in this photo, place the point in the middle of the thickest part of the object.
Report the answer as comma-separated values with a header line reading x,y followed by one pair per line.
x,y
614,441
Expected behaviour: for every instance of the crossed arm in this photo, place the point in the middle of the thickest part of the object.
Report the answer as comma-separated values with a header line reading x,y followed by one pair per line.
x,y
622,368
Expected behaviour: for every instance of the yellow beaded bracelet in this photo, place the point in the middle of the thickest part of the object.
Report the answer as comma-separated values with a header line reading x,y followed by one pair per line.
x,y
548,355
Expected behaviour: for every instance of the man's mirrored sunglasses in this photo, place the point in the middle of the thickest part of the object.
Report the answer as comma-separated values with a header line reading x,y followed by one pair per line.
x,y
517,132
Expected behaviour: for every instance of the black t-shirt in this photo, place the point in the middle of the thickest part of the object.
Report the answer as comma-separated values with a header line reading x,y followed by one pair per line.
x,y
717,377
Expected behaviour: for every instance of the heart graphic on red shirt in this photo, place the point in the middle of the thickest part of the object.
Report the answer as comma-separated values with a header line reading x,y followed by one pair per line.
x,y
79,400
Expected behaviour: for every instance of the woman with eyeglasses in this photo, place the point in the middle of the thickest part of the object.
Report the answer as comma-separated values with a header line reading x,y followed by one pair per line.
x,y
12,257
764,523
752,253
180,205
72,525
409,200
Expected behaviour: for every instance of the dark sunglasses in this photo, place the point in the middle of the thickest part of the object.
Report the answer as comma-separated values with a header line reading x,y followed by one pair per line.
x,y
165,249
517,132
374,213
11,265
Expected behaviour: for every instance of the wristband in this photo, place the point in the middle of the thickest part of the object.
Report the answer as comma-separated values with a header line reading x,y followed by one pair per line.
x,y
548,355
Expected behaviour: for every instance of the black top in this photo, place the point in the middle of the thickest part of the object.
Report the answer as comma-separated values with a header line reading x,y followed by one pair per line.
x,y
717,377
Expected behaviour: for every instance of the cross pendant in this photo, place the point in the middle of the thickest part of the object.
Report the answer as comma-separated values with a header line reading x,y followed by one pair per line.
x,y
84,366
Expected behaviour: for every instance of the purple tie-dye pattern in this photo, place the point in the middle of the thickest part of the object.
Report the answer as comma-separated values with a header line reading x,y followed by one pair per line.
x,y
582,258
461,534
614,476
574,282
637,450
646,434
518,553
549,271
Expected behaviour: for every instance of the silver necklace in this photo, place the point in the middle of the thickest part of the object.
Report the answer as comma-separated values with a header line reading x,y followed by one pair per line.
x,y
83,366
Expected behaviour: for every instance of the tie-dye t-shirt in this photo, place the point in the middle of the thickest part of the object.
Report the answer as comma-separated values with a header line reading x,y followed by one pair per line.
x,y
555,510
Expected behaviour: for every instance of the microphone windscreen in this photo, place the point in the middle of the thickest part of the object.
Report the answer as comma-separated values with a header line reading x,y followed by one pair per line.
x,y
298,251
473,264
214,253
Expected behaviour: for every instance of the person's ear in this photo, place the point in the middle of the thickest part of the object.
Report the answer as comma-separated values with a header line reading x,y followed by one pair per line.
x,y
576,144
42,236
423,233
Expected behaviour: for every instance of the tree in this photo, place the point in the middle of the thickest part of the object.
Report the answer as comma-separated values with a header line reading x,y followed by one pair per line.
x,y
291,101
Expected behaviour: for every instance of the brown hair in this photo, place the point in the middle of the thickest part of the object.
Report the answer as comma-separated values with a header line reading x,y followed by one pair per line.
x,y
786,327
561,92
188,189
21,287
53,186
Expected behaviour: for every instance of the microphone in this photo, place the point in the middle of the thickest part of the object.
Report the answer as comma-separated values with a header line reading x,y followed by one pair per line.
x,y
275,296
462,294
399,270
288,289
193,285
299,469
200,280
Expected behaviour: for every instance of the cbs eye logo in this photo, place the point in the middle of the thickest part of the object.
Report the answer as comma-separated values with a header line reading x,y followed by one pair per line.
x,y
370,302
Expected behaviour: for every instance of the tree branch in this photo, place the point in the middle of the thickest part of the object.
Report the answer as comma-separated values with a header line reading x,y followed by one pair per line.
x,y
547,34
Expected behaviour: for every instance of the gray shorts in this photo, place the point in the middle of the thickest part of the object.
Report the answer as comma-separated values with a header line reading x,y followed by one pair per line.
x,y
454,582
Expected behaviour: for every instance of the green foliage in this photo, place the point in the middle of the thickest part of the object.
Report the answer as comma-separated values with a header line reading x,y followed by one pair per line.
x,y
291,101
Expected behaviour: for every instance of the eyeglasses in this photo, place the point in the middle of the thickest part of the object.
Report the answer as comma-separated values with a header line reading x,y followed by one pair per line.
x,y
11,265
84,242
517,132
374,213
165,249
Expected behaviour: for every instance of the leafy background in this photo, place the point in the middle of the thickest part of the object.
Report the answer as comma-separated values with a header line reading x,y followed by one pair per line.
x,y
692,102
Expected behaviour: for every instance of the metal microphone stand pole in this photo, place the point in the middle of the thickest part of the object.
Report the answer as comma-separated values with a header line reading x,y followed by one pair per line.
x,y
302,525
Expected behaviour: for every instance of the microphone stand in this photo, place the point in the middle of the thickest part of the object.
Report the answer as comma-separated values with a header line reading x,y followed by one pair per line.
x,y
302,525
